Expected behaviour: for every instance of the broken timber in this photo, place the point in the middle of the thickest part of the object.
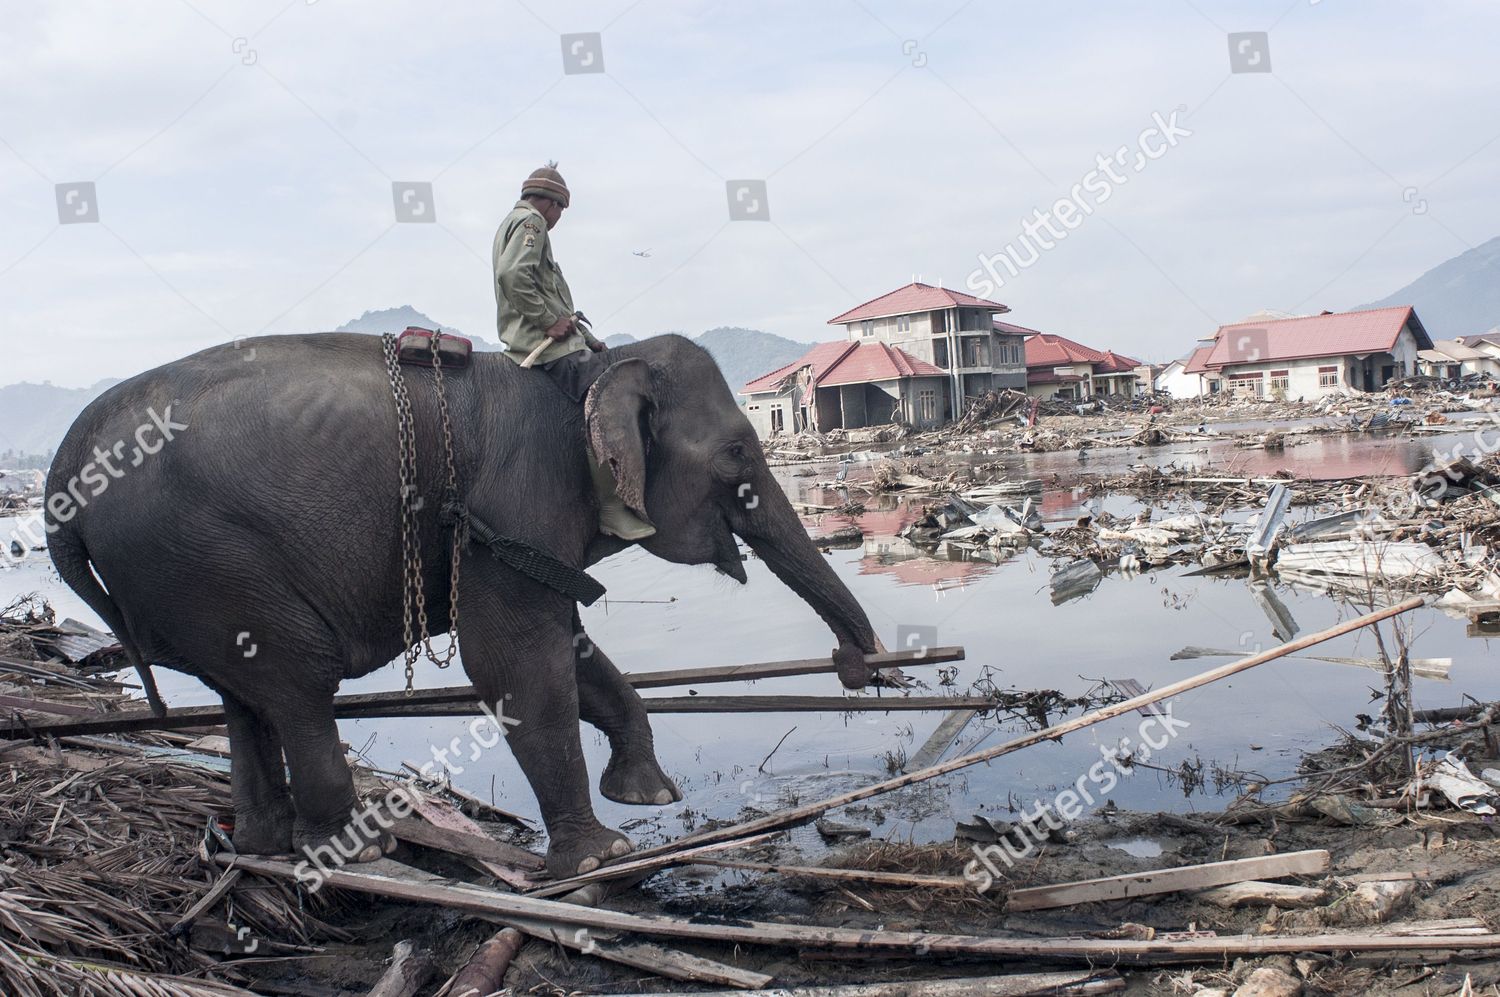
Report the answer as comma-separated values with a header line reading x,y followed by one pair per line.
x,y
1188,877
463,699
503,905
1018,985
664,855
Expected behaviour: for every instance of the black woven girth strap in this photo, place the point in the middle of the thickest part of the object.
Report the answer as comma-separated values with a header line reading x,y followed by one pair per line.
x,y
536,564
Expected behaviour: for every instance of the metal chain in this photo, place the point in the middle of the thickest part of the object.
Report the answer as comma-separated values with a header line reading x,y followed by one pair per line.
x,y
415,637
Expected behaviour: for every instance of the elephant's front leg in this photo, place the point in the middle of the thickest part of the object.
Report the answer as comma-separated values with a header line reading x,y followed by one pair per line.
x,y
518,652
609,703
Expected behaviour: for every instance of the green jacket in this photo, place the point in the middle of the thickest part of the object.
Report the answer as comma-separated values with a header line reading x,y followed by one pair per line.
x,y
530,292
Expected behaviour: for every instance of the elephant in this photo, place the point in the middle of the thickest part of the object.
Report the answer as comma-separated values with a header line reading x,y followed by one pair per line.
x,y
258,510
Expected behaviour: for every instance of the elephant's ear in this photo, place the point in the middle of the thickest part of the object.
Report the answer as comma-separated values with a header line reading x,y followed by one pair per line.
x,y
616,411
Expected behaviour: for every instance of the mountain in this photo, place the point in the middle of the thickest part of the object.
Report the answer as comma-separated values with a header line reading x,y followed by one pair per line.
x,y
35,417
742,354
745,354
1458,298
381,320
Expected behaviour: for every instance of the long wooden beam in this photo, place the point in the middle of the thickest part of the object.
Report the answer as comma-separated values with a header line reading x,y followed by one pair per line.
x,y
661,856
1173,880
479,901
462,700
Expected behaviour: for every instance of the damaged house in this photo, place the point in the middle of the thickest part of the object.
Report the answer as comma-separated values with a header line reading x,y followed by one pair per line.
x,y
907,356
1058,367
1311,356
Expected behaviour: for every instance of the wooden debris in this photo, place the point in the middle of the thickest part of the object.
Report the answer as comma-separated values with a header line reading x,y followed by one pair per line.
x,y
663,855
1018,985
855,875
942,738
485,972
374,704
410,968
1190,877
749,932
1256,892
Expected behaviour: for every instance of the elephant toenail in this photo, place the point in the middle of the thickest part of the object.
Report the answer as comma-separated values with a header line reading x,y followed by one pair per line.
x,y
664,797
620,847
588,865
368,854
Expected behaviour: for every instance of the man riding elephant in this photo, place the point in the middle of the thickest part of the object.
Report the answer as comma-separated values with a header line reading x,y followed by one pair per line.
x,y
537,322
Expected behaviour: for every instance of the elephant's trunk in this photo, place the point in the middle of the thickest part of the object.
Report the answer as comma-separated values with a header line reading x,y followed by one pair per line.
x,y
775,533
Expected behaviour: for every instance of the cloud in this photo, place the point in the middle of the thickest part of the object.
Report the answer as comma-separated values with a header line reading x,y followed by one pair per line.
x,y
244,152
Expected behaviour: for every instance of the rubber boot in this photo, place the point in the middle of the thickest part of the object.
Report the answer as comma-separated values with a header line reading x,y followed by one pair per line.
x,y
615,519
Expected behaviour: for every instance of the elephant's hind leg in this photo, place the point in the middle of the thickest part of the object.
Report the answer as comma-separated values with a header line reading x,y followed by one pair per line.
x,y
608,702
331,827
263,813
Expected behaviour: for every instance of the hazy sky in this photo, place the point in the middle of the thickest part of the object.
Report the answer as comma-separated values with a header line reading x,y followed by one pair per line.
x,y
244,154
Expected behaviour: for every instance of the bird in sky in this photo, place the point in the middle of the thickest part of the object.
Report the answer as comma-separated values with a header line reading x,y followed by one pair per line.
x,y
644,254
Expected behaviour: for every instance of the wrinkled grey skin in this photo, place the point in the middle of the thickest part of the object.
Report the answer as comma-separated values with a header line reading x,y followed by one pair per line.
x,y
275,513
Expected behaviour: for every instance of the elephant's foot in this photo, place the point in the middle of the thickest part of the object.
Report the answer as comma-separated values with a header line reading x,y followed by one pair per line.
x,y
573,854
635,777
264,831
360,838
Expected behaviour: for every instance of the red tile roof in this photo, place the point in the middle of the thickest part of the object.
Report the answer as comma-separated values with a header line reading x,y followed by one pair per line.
x,y
915,297
1046,350
876,362
1116,363
1197,362
1329,335
1015,330
821,357
849,363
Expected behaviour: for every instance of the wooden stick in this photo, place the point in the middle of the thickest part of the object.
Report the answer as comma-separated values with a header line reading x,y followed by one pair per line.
x,y
221,886
857,875
1256,892
468,845
946,733
642,861
410,968
743,704
1215,949
1188,877
1019,985
371,704
564,886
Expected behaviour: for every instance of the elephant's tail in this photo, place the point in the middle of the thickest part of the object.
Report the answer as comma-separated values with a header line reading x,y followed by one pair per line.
x,y
71,559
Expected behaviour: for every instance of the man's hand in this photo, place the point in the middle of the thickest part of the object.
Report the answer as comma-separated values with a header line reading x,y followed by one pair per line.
x,y
597,346
560,329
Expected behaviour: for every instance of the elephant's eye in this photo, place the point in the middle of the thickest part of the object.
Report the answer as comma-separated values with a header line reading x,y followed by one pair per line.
x,y
732,461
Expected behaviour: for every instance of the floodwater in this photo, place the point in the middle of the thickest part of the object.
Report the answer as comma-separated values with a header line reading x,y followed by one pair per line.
x,y
663,616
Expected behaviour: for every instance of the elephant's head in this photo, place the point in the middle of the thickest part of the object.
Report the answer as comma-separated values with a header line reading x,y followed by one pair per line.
x,y
685,458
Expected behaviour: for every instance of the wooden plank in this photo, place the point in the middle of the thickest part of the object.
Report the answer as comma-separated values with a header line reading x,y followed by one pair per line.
x,y
399,704
673,964
1188,877
563,887
739,704
467,844
42,706
443,816
650,956
782,669
480,901
941,739
1017,985
801,814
